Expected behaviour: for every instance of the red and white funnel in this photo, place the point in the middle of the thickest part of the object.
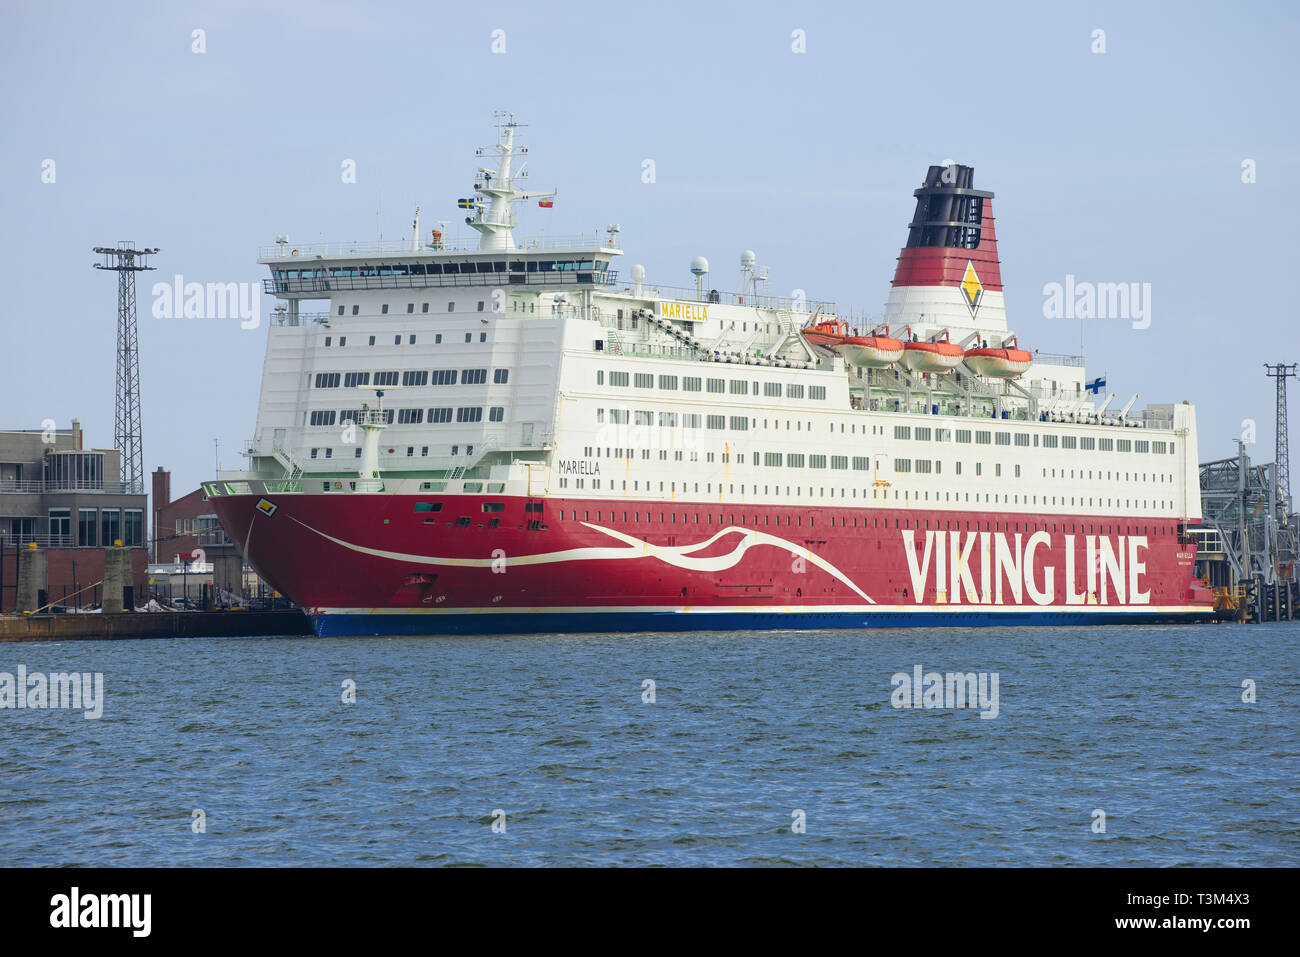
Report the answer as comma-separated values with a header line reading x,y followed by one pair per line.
x,y
948,275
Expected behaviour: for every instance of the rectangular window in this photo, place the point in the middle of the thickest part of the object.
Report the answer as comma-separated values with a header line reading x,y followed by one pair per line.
x,y
772,389
793,391
839,461
327,380
1106,445
691,420
1069,442
410,416
645,381
618,378
416,377
444,376
668,419
133,528
1123,445
739,387
496,413
983,438
385,378
1087,443
740,423
668,382
87,525
353,380
860,463
717,422
500,376
437,416
473,376
619,416
110,526
902,465
691,383
1049,441
717,385
963,435
469,414
794,460
902,431
322,417
1004,438
1022,439
817,461
922,433
428,506
817,392
772,459
644,418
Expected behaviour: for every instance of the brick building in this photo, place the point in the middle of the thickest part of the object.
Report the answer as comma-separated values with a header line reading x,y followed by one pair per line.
x,y
71,502
188,526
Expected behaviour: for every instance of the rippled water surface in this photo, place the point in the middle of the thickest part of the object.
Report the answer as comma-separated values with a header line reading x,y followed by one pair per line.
x,y
1146,724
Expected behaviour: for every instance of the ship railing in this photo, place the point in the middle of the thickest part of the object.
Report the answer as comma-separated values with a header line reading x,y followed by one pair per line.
x,y
708,297
1058,359
500,279
402,247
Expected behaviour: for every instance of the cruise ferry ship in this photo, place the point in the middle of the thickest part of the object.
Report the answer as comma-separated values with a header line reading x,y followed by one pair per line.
x,y
507,436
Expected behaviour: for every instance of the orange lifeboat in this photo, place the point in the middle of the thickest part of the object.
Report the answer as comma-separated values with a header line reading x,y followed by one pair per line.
x,y
869,352
1006,362
936,357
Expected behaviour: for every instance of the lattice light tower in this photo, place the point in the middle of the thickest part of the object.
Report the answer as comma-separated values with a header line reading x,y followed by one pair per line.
x,y
1282,460
126,261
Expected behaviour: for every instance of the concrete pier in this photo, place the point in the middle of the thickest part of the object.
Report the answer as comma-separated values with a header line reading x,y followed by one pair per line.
x,y
117,577
32,576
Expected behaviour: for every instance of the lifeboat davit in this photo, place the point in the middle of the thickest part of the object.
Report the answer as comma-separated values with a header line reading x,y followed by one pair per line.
x,y
1005,362
868,352
938,356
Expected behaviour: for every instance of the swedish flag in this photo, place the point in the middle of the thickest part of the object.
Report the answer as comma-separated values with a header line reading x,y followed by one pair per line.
x,y
466,204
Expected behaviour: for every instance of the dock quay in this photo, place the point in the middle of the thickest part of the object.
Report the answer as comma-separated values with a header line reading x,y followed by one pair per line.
x,y
166,624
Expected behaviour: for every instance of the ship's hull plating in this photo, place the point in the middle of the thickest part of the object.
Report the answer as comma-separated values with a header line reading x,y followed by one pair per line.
x,y
363,564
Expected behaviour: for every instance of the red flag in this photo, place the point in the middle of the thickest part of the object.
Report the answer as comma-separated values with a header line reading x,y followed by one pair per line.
x,y
545,203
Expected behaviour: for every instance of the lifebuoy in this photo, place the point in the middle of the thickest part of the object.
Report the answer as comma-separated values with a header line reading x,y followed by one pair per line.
x,y
338,484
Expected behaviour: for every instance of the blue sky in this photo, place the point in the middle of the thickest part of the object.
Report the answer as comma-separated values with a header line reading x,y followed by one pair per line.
x,y
1115,167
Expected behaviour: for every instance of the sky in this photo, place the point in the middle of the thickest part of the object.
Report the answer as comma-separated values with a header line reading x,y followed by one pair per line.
x,y
798,130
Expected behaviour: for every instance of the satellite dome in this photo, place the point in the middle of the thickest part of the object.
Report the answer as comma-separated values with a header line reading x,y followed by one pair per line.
x,y
638,273
747,259
699,266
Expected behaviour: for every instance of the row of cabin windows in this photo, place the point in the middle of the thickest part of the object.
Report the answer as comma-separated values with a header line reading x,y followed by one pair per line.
x,y
328,453
876,494
412,377
437,416
410,308
841,521
646,380
397,339
1084,443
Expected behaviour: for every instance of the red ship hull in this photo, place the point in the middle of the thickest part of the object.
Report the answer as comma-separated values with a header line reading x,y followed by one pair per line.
x,y
363,564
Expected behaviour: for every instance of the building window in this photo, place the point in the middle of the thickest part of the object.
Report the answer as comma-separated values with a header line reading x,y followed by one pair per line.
x,y
87,522
340,310
372,340
451,307
328,340
384,309
355,309
410,307
133,531
110,526
480,305
424,307
410,340
500,376
496,413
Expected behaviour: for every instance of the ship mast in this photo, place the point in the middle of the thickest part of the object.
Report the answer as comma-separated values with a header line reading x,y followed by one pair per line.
x,y
497,190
